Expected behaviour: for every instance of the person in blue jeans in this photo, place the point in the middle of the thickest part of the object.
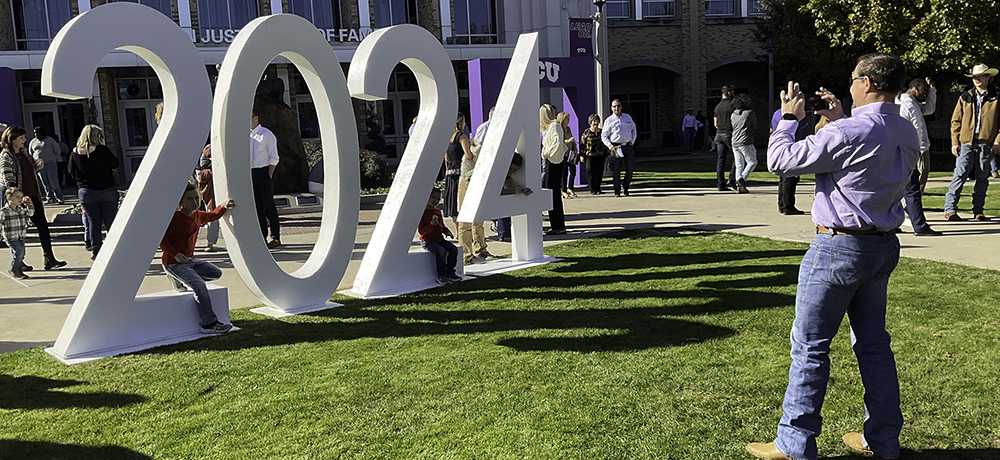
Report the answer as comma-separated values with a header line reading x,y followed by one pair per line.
x,y
432,232
975,126
178,255
862,164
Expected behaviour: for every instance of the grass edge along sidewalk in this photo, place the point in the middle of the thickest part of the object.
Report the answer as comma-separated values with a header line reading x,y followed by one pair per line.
x,y
659,343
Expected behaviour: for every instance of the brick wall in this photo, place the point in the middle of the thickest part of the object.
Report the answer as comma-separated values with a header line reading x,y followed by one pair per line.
x,y
7,27
429,16
109,107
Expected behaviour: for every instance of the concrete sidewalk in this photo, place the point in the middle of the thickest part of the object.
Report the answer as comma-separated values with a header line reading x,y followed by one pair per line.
x,y
32,311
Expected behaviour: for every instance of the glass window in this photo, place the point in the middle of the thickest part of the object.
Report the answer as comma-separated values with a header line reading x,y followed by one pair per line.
x,y
308,121
324,14
162,6
657,8
37,21
617,9
392,12
475,22
639,107
138,88
225,15
720,7
755,8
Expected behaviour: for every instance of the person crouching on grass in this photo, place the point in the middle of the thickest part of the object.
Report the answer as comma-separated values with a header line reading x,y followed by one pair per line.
x,y
432,231
178,255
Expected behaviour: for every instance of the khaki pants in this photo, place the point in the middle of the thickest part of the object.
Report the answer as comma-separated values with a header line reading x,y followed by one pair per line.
x,y
471,236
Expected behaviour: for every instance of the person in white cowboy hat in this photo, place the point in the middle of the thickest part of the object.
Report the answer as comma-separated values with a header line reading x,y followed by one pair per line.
x,y
974,128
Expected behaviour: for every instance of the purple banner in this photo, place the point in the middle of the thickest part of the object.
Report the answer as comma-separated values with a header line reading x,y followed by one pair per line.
x,y
581,31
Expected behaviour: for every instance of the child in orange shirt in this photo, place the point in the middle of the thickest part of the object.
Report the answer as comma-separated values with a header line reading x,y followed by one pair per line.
x,y
178,255
432,231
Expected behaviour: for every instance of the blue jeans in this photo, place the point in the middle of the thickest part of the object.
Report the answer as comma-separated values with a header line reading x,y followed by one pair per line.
x,y
969,159
445,255
842,274
49,178
746,160
503,228
100,207
193,274
17,255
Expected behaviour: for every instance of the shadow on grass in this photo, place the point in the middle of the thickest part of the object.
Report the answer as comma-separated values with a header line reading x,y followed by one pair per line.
x,y
30,392
575,305
13,449
935,454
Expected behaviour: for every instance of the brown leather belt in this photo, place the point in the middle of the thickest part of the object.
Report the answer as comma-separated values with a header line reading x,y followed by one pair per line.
x,y
847,231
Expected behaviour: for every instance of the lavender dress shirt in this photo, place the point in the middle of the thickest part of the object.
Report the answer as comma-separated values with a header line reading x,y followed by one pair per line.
x,y
861,163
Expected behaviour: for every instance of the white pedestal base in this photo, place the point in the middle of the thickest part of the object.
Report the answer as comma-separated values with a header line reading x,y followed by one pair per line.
x,y
278,313
164,324
420,277
498,266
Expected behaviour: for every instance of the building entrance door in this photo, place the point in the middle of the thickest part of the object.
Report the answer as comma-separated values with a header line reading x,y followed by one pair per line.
x,y
398,113
137,127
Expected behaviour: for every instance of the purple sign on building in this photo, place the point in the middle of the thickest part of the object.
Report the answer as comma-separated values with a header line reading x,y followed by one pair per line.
x,y
581,32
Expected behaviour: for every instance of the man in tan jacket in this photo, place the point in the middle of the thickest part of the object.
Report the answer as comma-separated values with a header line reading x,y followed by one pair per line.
x,y
974,128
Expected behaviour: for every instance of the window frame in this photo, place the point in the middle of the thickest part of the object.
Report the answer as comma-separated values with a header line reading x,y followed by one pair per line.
x,y
470,38
255,13
734,10
628,9
23,44
672,9
414,19
169,12
335,8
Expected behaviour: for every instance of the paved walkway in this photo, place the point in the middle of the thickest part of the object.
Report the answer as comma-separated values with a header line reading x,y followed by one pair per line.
x,y
32,311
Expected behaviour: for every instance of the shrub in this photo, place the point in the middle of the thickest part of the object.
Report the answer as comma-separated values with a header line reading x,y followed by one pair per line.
x,y
374,169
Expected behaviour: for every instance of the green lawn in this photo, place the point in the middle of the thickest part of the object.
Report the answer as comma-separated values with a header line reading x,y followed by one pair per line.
x,y
652,344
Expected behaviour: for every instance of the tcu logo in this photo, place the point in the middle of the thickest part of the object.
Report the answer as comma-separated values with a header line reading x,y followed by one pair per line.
x,y
549,71
108,318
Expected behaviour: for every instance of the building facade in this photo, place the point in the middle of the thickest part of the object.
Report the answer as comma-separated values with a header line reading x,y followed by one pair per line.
x,y
665,56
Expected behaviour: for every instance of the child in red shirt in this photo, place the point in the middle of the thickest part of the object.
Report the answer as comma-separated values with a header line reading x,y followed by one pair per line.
x,y
432,231
178,255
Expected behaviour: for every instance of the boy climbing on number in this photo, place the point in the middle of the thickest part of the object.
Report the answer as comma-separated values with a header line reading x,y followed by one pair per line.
x,y
178,255
432,231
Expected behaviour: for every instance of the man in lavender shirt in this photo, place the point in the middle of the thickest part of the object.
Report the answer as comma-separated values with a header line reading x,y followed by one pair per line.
x,y
862,165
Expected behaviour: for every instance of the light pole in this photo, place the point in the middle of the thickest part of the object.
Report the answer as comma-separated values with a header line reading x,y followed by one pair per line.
x,y
601,78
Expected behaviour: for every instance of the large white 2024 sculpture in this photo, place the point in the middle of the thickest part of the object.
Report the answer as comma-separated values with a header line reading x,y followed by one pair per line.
x,y
107,317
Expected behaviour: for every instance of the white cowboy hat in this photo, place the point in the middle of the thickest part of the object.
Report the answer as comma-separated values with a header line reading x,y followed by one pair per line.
x,y
981,69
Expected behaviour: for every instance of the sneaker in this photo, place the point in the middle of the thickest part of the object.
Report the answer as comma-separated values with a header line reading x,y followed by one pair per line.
x,y
16,275
454,278
274,243
216,328
442,280
26,267
474,260
953,217
210,248
982,217
485,255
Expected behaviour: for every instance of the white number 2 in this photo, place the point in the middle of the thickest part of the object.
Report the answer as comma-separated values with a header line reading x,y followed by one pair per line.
x,y
387,268
107,318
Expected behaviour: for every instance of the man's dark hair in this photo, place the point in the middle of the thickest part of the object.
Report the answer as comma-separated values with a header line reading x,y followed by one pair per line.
x,y
254,113
517,159
742,102
885,71
728,90
918,83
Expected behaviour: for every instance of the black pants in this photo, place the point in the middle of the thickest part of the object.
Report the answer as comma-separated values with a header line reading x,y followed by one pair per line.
x,y
616,167
42,226
723,150
914,203
263,197
553,178
786,193
569,176
595,168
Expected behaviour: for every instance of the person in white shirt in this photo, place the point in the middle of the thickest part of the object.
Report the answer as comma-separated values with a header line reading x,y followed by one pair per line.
x,y
45,148
263,160
910,108
690,125
619,135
